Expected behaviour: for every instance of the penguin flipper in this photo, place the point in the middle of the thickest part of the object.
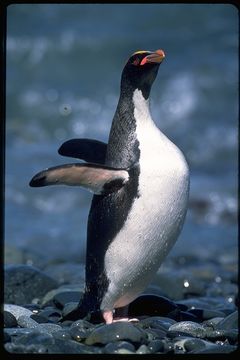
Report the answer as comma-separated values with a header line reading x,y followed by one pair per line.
x,y
85,149
99,179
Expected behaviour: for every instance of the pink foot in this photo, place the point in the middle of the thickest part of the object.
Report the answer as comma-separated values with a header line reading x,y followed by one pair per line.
x,y
108,316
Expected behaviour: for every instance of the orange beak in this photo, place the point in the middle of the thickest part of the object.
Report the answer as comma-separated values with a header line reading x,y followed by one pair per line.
x,y
156,57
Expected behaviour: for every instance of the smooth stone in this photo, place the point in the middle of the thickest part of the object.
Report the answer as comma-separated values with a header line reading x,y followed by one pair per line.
x,y
230,335
39,319
143,349
48,297
151,305
68,308
9,320
194,344
83,324
187,316
6,337
23,283
51,314
31,349
35,338
205,314
62,334
188,327
153,334
62,298
71,347
27,322
79,334
48,328
115,332
212,322
215,349
159,322
16,310
81,329
114,347
229,322
17,331
156,346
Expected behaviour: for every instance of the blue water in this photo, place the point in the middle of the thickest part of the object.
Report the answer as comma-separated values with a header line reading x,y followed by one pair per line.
x,y
63,70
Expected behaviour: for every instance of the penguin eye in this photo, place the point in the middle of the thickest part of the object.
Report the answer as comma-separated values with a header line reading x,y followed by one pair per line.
x,y
136,61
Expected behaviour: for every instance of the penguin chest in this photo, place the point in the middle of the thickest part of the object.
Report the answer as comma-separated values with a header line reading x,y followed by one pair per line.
x,y
154,220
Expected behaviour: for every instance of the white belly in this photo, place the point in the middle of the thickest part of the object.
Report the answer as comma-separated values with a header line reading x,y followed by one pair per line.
x,y
155,219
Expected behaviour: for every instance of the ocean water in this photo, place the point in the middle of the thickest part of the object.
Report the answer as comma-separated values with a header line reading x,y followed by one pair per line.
x,y
64,64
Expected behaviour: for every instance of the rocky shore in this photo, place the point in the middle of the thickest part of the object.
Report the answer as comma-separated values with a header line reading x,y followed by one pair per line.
x,y
189,308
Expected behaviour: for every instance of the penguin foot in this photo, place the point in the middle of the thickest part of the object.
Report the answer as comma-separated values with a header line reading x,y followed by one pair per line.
x,y
108,316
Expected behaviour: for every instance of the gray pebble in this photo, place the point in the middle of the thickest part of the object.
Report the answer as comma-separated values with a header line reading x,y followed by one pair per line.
x,y
35,338
48,328
16,310
17,331
62,334
113,347
27,322
116,332
31,349
230,322
143,349
188,327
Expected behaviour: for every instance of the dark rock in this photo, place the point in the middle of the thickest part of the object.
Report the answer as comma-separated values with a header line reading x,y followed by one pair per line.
x,y
205,314
39,319
61,299
218,335
35,338
69,308
81,329
156,322
156,346
71,347
151,305
113,347
31,349
212,322
187,316
194,344
230,322
62,334
23,283
6,337
116,332
215,349
9,320
51,314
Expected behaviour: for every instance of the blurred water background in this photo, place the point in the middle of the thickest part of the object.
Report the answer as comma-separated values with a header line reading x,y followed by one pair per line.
x,y
64,64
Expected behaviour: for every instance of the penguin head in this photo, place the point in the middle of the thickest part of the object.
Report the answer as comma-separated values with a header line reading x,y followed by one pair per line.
x,y
141,70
